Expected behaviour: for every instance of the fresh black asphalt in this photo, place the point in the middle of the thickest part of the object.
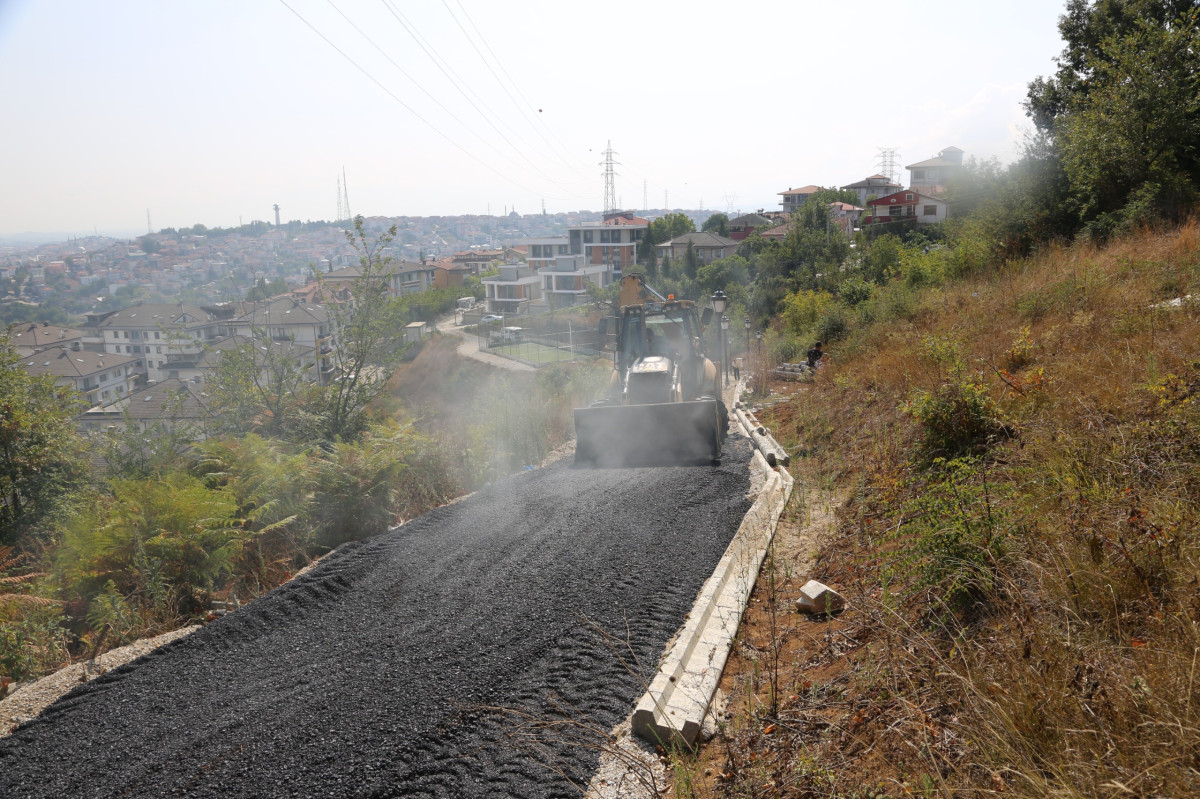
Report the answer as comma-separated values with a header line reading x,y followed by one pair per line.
x,y
378,673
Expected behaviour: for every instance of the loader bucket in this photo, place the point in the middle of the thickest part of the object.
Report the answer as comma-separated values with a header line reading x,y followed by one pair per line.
x,y
675,433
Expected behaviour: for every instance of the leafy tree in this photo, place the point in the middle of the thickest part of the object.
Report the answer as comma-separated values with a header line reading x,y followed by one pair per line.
x,y
717,223
691,263
41,455
367,347
259,386
1122,113
668,227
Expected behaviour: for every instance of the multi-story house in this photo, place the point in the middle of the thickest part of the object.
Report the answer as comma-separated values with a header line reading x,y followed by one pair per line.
x,y
167,406
744,225
542,253
32,337
794,198
908,206
931,177
612,242
285,319
511,293
565,282
872,187
100,377
151,332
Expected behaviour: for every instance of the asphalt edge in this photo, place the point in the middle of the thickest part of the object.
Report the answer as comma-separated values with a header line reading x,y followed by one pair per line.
x,y
671,713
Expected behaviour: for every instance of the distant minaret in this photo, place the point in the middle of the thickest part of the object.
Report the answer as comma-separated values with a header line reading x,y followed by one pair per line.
x,y
149,227
276,207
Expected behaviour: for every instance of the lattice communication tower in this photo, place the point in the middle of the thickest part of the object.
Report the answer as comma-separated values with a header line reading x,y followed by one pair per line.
x,y
610,180
887,163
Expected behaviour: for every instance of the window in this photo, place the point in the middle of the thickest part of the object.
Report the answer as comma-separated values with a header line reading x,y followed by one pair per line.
x,y
918,174
563,249
587,237
908,197
930,210
126,332
156,334
128,349
895,210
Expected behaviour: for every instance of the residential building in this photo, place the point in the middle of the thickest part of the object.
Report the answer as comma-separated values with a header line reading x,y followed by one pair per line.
x,y
744,225
400,277
872,187
102,378
201,367
513,290
31,337
908,206
932,176
163,407
542,253
613,241
284,319
845,216
150,332
565,283
448,274
794,198
708,247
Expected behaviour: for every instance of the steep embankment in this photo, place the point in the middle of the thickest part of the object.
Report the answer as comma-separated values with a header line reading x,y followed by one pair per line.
x,y
1019,455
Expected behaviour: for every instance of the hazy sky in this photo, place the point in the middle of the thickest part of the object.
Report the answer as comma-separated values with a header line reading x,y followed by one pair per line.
x,y
211,111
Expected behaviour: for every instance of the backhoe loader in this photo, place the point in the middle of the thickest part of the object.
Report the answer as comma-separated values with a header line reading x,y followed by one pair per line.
x,y
663,405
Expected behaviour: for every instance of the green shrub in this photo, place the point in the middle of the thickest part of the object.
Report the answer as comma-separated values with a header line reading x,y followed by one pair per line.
x,y
956,533
854,291
958,416
32,640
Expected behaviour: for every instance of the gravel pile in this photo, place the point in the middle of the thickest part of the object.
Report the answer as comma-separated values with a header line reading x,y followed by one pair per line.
x,y
379,673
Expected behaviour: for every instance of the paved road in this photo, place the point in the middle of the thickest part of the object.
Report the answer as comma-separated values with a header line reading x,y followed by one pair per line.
x,y
469,348
368,677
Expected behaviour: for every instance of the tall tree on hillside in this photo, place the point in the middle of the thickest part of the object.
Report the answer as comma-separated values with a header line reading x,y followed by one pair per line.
x,y
367,344
41,455
1122,113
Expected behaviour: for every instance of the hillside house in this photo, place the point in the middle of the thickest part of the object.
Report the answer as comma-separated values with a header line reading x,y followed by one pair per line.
x,y
101,378
565,282
744,225
708,247
613,241
513,290
872,187
907,206
794,198
931,177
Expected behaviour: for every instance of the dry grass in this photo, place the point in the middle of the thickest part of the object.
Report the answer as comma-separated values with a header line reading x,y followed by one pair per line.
x,y
1074,671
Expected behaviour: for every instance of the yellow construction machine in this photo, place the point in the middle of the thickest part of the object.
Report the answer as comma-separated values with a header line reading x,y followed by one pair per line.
x,y
664,400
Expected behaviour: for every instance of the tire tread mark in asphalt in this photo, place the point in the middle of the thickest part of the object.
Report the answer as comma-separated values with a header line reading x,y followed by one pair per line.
x,y
368,676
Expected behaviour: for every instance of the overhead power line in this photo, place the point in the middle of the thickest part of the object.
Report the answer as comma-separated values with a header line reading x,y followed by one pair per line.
x,y
486,113
525,100
407,107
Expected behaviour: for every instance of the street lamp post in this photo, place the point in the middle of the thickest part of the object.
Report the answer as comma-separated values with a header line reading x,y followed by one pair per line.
x,y
759,361
719,301
724,346
747,324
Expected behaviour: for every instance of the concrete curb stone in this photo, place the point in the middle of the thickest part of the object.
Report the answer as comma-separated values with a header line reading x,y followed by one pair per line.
x,y
672,711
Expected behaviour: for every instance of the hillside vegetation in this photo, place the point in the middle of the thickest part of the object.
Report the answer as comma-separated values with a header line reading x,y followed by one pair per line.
x,y
1019,456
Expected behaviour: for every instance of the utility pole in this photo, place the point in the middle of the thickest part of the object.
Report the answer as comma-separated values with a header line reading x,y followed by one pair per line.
x,y
610,185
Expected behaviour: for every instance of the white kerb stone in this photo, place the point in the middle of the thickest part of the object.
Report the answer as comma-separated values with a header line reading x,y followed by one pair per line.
x,y
817,597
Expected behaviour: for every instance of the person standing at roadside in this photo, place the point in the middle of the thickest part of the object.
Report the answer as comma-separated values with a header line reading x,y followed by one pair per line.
x,y
814,356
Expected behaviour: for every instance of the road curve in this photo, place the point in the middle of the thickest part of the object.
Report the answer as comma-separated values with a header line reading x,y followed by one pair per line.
x,y
370,676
